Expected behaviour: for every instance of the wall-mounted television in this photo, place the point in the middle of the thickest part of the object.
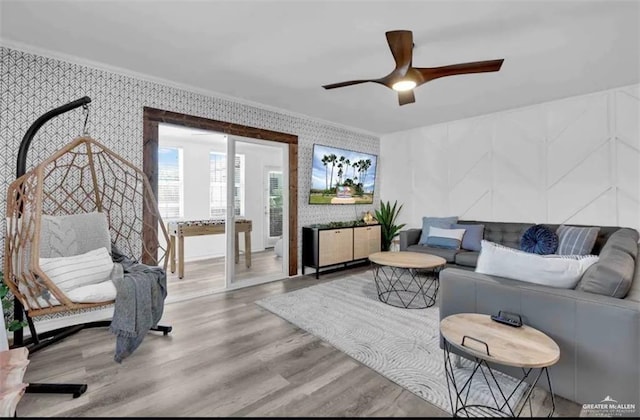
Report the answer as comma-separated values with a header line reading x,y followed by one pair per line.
x,y
340,176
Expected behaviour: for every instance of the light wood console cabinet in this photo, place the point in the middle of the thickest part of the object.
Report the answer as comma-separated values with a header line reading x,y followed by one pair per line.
x,y
323,247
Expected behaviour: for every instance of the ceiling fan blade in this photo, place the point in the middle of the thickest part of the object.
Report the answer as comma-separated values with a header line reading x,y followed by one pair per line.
x,y
406,97
347,83
401,45
430,73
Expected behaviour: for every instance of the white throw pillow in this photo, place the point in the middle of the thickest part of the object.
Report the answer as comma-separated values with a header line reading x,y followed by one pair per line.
x,y
69,273
561,271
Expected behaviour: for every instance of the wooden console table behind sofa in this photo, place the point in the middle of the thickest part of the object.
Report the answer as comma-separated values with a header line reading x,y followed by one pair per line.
x,y
205,227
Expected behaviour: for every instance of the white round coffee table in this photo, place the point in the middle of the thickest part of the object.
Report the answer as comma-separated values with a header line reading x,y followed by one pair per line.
x,y
488,341
405,279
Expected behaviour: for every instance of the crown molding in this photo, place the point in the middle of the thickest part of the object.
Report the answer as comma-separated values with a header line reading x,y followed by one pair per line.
x,y
97,65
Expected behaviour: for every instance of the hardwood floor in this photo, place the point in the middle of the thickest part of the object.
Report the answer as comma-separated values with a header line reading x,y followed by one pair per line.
x,y
226,356
208,275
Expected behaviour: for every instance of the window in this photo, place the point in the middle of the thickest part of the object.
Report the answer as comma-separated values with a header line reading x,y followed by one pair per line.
x,y
274,182
170,188
218,185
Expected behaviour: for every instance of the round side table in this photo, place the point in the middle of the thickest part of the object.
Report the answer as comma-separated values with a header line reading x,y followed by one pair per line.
x,y
487,341
405,279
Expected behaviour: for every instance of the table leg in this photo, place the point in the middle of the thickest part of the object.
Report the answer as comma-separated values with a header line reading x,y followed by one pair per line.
x,y
504,402
172,254
247,248
237,248
181,257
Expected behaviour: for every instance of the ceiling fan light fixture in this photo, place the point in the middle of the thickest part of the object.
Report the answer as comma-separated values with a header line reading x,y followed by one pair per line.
x,y
403,85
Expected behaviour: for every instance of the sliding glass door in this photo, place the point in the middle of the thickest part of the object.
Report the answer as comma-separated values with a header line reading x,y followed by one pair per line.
x,y
224,201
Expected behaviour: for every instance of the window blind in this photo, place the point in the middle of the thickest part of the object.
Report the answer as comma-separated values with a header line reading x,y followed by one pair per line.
x,y
170,187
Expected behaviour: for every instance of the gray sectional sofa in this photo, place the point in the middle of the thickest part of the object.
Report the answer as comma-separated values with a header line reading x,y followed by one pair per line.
x,y
598,335
507,234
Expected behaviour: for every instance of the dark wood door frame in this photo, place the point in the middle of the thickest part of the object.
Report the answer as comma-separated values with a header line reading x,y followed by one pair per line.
x,y
152,117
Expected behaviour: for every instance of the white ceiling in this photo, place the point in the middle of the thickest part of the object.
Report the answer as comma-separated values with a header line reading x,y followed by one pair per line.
x,y
279,53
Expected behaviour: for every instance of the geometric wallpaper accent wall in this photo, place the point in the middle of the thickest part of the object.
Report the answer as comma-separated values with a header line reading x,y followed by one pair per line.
x,y
31,85
575,160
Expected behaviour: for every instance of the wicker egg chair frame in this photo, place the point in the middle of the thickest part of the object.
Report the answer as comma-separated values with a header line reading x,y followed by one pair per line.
x,y
84,176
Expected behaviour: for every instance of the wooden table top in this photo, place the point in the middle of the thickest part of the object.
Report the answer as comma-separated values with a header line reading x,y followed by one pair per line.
x,y
523,347
406,259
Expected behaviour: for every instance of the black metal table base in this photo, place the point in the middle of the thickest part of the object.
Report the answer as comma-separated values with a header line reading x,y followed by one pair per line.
x,y
407,288
75,390
503,404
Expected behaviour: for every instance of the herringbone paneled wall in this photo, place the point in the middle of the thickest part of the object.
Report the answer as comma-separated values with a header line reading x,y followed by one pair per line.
x,y
30,85
575,160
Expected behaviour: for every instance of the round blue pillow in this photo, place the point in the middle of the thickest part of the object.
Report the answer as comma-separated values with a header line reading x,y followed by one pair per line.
x,y
539,239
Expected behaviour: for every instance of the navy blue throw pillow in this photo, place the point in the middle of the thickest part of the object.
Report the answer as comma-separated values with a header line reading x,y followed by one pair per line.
x,y
539,239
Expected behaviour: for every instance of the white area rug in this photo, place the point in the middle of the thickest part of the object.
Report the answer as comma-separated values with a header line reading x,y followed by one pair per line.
x,y
400,344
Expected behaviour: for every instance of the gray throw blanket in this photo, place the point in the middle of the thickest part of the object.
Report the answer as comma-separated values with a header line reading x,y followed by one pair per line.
x,y
141,290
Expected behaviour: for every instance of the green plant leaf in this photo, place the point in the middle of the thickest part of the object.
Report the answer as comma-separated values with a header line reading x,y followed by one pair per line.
x,y
387,216
16,325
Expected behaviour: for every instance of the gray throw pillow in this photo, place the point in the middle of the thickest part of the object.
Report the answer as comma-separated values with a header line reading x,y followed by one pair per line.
x,y
66,236
575,240
473,235
438,222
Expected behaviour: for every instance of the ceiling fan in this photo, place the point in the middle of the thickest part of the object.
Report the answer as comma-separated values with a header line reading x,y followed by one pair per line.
x,y
404,78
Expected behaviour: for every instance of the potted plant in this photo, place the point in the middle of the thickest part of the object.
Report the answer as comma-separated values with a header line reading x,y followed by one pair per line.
x,y
387,216
7,307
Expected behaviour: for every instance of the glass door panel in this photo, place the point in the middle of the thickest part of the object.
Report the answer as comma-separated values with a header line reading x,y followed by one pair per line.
x,y
258,246
192,188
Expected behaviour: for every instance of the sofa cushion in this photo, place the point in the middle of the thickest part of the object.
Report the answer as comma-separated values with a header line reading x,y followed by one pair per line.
x,y
634,291
547,270
611,276
576,240
625,240
539,239
507,234
467,258
447,254
439,222
445,238
473,235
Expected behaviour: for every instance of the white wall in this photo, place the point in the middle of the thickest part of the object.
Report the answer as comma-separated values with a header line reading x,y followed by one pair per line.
x,y
195,155
575,160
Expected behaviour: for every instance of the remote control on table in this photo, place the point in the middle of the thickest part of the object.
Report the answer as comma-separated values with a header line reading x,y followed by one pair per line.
x,y
506,320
